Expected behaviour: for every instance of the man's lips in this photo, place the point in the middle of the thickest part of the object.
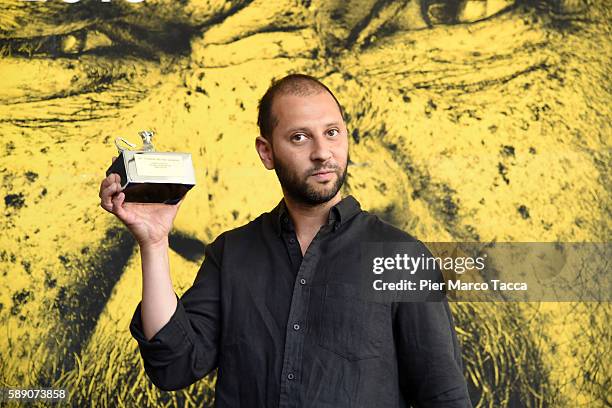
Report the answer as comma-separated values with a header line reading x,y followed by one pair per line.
x,y
322,172
323,175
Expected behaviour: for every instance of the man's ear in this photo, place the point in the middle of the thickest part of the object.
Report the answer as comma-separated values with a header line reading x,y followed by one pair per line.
x,y
264,149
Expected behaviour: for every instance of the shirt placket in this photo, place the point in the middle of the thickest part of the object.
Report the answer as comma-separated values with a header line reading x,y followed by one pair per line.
x,y
293,249
296,325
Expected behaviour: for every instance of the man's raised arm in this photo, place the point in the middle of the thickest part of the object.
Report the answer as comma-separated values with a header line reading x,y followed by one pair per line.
x,y
177,338
185,349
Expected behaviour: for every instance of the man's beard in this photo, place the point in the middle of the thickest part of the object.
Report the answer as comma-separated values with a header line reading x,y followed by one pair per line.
x,y
298,189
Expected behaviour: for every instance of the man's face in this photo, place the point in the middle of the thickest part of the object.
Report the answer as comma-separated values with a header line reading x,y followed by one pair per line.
x,y
309,146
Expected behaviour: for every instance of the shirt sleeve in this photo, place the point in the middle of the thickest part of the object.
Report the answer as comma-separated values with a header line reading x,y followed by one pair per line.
x,y
429,356
185,349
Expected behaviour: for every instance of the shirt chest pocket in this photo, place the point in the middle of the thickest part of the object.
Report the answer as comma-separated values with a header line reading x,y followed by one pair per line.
x,y
350,327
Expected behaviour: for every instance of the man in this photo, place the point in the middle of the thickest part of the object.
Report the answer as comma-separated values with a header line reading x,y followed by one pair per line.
x,y
274,305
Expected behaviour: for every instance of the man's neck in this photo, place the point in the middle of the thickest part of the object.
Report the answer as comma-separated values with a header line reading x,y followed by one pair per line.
x,y
308,219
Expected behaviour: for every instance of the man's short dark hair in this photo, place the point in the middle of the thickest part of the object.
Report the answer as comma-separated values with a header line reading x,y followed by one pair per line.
x,y
292,84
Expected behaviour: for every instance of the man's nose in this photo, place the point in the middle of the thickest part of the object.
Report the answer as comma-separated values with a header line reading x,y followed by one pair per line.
x,y
321,149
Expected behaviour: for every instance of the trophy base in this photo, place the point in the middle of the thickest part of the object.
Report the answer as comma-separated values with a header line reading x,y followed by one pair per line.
x,y
165,193
153,188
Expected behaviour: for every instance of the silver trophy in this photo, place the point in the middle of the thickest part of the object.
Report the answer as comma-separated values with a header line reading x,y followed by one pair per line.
x,y
148,176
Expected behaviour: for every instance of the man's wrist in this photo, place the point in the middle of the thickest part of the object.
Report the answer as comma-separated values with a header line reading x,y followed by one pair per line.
x,y
162,244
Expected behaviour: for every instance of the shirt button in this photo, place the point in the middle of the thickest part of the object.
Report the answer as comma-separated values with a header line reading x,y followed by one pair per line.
x,y
292,240
290,376
303,281
296,327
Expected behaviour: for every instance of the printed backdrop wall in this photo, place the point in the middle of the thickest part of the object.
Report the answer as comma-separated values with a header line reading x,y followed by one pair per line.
x,y
470,120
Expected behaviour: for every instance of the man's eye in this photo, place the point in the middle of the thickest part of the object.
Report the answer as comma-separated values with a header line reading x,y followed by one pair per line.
x,y
298,137
101,38
75,43
333,132
467,11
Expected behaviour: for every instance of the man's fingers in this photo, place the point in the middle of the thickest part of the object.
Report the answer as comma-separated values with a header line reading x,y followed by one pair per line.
x,y
109,189
112,178
108,180
105,183
118,205
107,194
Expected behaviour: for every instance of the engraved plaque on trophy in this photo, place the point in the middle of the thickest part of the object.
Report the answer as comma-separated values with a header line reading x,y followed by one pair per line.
x,y
148,176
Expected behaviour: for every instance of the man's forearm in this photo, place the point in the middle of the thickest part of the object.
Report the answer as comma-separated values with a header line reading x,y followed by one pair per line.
x,y
158,297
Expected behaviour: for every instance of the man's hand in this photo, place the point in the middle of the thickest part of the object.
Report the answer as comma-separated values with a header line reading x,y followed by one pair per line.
x,y
150,224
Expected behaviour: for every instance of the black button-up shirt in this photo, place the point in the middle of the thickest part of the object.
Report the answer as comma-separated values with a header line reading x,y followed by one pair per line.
x,y
286,330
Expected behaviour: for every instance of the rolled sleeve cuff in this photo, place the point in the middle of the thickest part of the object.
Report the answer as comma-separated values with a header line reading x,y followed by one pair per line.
x,y
170,341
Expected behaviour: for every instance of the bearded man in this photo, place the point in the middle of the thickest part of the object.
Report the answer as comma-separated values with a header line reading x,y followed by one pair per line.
x,y
275,304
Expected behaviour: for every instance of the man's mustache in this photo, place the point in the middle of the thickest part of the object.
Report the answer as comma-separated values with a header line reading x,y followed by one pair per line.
x,y
320,169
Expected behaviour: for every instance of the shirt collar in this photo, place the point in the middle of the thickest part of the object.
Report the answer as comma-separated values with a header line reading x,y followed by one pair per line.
x,y
339,214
